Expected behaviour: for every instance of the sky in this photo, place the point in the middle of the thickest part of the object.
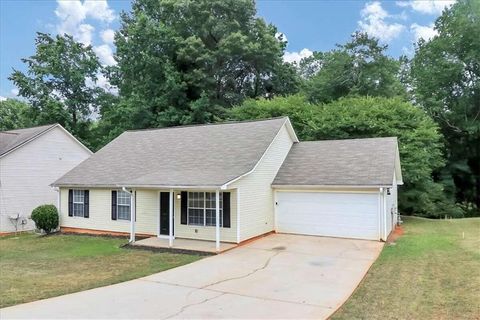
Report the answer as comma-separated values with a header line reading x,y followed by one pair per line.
x,y
313,25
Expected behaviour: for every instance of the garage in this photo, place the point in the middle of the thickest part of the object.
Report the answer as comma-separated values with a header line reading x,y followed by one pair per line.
x,y
339,188
333,214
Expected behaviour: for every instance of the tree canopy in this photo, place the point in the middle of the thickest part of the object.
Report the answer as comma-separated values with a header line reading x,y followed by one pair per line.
x,y
14,114
420,143
57,83
445,73
359,67
187,61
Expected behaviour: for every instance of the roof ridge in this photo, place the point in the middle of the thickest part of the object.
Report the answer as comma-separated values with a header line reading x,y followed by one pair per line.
x,y
348,139
34,127
208,124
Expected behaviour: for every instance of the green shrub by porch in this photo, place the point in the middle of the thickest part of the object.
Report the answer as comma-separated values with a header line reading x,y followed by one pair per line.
x,y
46,217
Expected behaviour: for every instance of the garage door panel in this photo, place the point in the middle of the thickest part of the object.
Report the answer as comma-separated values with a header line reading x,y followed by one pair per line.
x,y
346,215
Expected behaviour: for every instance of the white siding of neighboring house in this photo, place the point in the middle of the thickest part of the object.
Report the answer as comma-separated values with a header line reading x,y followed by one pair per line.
x,y
255,191
27,172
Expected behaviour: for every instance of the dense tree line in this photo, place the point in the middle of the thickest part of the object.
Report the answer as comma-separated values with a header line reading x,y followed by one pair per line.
x,y
182,62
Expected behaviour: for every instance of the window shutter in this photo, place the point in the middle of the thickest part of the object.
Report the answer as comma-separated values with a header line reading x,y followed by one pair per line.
x,y
70,203
86,203
226,209
114,205
183,218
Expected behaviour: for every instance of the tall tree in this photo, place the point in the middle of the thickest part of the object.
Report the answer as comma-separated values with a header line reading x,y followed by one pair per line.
x,y
187,61
445,74
58,82
14,114
359,67
420,143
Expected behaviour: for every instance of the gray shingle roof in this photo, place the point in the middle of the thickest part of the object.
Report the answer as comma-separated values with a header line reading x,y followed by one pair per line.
x,y
352,162
202,155
12,139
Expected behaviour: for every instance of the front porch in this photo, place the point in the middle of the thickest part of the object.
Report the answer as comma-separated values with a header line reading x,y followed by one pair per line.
x,y
187,245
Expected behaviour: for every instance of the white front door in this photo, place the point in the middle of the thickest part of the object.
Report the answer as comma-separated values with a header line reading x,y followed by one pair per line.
x,y
345,215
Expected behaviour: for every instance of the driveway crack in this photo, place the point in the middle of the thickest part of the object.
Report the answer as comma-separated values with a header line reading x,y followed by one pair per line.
x,y
265,265
183,308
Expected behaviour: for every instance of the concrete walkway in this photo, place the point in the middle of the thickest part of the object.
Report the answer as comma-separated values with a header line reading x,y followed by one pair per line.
x,y
279,276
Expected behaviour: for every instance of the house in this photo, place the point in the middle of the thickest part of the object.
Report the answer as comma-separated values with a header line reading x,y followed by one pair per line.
x,y
30,160
233,181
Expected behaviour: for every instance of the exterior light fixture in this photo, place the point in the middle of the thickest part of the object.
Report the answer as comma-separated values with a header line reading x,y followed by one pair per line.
x,y
179,196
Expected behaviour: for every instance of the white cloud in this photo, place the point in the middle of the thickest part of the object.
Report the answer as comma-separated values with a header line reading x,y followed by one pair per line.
x,y
98,9
73,12
105,54
423,32
108,36
102,82
292,57
2,98
426,6
374,22
14,92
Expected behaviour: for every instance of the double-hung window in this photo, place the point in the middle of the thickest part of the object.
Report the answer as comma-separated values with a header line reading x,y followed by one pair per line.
x,y
123,205
201,209
78,203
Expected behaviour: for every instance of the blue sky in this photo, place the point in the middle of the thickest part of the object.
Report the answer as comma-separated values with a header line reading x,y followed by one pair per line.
x,y
308,25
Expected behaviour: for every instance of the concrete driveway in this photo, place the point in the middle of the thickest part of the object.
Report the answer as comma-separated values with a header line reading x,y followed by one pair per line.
x,y
279,276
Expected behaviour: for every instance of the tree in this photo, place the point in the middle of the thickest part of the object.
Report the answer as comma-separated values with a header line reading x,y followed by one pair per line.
x,y
445,74
363,117
14,114
59,82
359,67
187,61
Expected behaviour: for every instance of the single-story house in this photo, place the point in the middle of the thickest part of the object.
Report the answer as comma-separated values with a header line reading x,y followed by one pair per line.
x,y
233,181
30,159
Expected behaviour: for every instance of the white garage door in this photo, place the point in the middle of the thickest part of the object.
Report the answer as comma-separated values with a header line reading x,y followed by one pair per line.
x,y
346,215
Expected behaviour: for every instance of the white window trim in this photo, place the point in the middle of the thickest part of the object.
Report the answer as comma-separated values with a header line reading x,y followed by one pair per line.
x,y
77,202
124,205
204,208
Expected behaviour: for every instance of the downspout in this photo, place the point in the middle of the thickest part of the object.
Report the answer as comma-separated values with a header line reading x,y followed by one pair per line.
x,y
380,213
132,214
385,212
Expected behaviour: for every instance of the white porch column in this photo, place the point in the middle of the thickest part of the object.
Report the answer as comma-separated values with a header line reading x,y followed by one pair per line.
x,y
133,213
217,220
170,219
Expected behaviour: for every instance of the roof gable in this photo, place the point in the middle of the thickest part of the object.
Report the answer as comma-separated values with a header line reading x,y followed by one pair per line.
x,y
12,139
351,162
201,156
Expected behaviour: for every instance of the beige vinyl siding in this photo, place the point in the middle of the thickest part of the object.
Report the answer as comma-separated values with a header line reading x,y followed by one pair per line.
x,y
100,212
256,193
207,232
27,172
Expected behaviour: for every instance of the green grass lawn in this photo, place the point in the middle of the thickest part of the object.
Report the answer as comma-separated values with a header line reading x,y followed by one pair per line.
x,y
432,272
35,267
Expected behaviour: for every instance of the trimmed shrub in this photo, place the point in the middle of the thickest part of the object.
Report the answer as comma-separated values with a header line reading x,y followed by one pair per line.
x,y
46,217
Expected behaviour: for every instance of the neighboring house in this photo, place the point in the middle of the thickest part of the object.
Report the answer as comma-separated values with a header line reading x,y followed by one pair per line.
x,y
30,160
165,182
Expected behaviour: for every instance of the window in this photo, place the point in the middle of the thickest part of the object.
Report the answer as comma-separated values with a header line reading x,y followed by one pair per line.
x,y
78,203
123,205
201,208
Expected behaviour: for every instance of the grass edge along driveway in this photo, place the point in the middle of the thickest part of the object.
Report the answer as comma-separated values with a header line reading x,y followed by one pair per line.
x,y
34,267
432,272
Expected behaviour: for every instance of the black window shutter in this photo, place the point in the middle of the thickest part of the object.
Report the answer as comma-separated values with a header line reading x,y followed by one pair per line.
x,y
70,203
114,205
135,200
226,209
183,218
86,203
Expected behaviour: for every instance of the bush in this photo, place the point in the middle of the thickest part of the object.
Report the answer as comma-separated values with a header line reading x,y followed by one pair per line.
x,y
46,217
